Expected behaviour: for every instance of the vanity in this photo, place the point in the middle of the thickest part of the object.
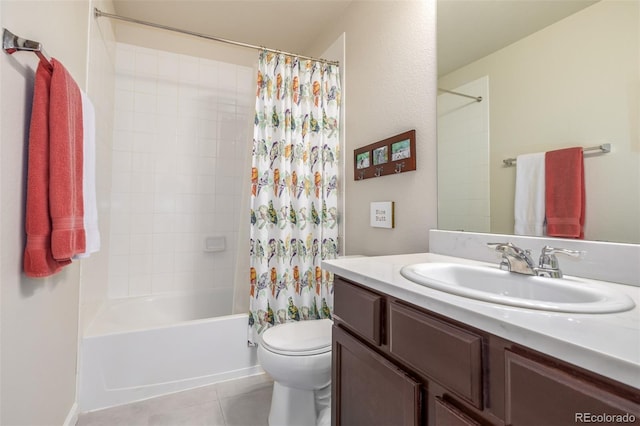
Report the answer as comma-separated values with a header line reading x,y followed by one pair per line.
x,y
407,354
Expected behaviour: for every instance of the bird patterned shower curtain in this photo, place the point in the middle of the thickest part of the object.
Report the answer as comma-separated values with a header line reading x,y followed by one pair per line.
x,y
294,182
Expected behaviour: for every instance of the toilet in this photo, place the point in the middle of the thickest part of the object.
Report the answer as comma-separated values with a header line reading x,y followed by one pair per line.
x,y
297,355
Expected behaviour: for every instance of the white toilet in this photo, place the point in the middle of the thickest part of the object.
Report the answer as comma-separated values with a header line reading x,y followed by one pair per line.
x,y
297,355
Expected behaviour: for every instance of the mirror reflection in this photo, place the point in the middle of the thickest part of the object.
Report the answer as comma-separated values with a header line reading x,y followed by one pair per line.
x,y
567,77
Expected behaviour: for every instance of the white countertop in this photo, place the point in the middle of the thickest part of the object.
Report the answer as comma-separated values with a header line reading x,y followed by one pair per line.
x,y
607,344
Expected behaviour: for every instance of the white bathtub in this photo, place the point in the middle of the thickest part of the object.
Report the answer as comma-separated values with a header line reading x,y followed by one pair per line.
x,y
138,348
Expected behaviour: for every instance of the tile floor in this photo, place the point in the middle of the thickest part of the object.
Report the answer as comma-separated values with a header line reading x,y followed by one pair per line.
x,y
240,402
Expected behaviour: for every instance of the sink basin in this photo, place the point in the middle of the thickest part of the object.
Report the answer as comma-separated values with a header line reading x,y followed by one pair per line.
x,y
526,291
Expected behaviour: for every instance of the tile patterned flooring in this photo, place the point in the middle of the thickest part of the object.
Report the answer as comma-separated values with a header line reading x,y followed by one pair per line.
x,y
240,402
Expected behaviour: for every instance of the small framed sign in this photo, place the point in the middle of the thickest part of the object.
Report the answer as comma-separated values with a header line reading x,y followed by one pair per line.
x,y
382,214
396,154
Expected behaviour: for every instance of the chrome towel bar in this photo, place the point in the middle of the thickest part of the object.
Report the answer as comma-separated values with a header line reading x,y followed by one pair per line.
x,y
604,148
11,43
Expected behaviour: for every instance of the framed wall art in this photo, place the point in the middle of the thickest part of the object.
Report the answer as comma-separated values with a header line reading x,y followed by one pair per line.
x,y
396,154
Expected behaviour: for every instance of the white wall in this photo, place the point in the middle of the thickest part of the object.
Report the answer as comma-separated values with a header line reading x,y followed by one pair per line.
x,y
390,74
574,83
39,317
182,134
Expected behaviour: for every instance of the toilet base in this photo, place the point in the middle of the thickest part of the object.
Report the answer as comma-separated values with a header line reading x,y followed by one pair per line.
x,y
291,406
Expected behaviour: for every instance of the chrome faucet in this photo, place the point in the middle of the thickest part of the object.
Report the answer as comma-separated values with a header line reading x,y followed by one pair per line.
x,y
515,259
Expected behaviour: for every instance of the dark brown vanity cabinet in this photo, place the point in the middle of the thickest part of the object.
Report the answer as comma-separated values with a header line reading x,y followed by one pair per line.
x,y
384,375
398,364
539,393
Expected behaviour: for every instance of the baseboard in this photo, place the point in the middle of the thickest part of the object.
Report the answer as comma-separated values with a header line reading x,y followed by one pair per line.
x,y
72,417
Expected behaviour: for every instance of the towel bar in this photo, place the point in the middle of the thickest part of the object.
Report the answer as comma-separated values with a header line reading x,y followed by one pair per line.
x,y
604,148
11,43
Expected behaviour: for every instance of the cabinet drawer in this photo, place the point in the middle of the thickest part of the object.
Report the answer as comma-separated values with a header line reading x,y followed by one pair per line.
x,y
359,309
445,353
538,394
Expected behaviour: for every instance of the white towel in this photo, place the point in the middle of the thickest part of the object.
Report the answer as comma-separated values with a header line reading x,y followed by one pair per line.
x,y
89,178
529,203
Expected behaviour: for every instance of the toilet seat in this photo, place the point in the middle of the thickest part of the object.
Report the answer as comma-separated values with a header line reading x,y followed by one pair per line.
x,y
301,338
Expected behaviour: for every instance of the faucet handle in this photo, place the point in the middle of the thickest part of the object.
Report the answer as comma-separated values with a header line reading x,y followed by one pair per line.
x,y
552,250
549,262
514,258
508,248
495,245
502,247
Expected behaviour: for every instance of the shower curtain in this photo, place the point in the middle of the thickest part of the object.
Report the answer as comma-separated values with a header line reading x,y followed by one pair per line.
x,y
294,181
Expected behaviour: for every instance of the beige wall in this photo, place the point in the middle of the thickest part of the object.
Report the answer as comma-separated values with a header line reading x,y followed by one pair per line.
x,y
573,83
39,317
390,87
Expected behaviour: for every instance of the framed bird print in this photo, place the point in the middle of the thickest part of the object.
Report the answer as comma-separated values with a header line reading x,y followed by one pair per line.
x,y
388,156
362,160
380,155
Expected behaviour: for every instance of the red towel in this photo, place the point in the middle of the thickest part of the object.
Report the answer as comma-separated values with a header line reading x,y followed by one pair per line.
x,y
565,193
65,165
38,260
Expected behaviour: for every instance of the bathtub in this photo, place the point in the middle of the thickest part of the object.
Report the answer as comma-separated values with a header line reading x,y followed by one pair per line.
x,y
138,348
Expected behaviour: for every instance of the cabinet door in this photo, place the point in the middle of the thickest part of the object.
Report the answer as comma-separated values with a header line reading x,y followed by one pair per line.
x,y
540,394
368,390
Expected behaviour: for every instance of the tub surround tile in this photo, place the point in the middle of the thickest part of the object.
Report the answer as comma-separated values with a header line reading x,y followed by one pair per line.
x,y
179,150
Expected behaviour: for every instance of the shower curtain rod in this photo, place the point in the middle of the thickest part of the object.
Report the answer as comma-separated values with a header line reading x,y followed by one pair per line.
x,y
98,13
477,98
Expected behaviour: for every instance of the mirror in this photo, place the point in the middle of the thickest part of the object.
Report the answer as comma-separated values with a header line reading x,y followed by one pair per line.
x,y
569,76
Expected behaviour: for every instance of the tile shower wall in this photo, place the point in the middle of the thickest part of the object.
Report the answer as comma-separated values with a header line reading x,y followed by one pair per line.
x,y
182,136
101,89
463,159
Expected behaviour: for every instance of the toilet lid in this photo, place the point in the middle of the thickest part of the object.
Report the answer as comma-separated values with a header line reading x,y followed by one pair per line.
x,y
299,338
